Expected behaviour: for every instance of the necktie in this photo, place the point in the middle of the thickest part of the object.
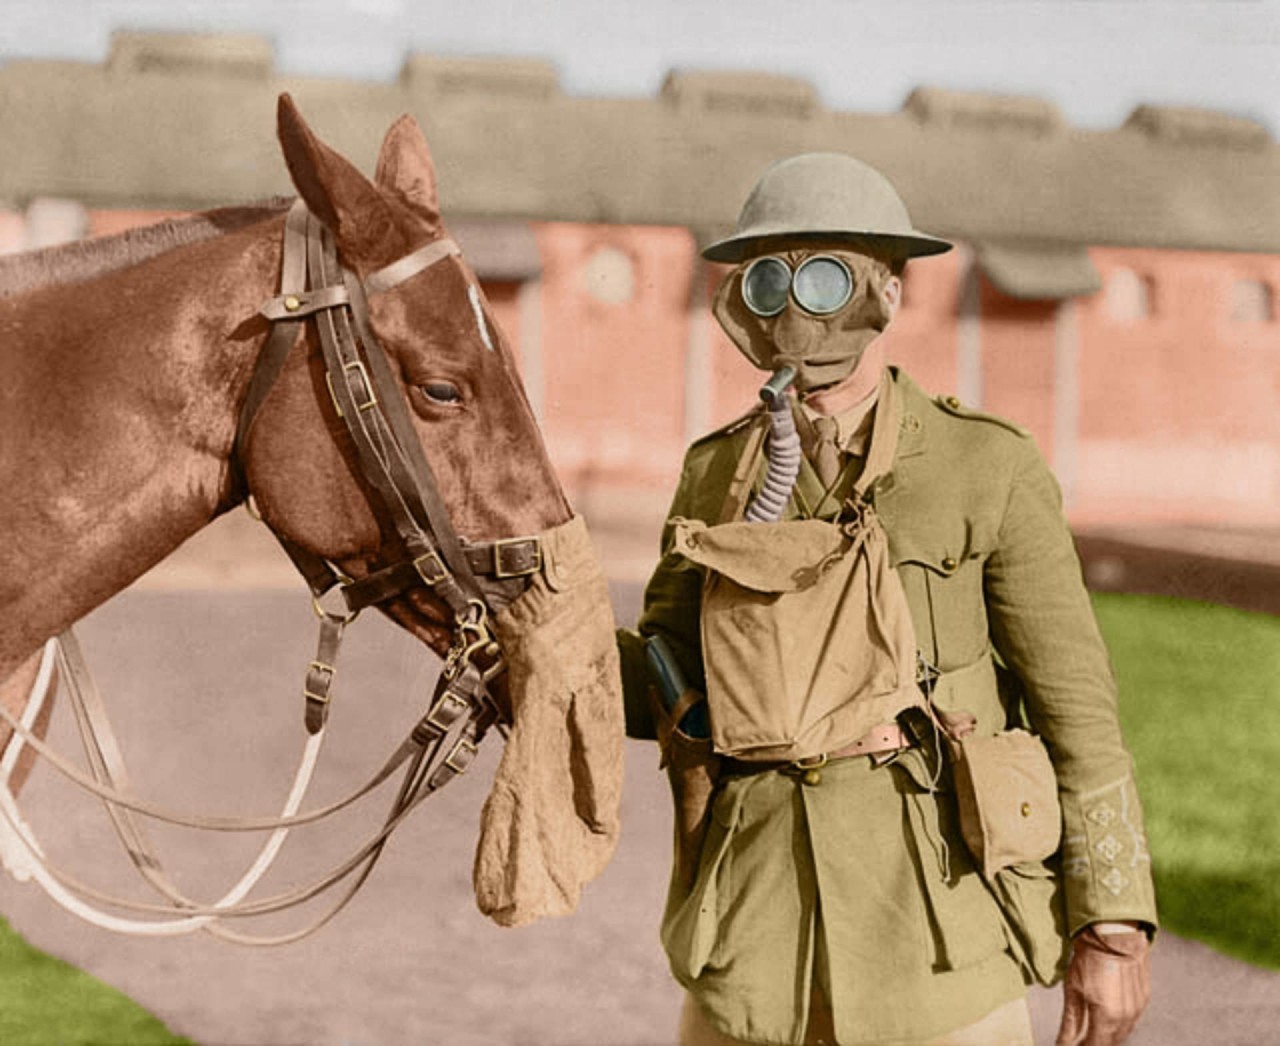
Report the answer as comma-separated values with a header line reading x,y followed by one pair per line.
x,y
825,454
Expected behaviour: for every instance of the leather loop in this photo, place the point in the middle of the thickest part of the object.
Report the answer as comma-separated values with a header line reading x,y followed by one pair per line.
x,y
300,304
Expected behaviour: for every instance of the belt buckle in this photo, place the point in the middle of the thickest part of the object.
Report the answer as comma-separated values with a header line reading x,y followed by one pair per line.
x,y
809,769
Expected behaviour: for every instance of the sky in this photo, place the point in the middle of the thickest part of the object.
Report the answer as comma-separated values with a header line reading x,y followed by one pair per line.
x,y
1095,59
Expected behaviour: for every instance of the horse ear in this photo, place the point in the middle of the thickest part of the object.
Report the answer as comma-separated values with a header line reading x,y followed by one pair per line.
x,y
405,167
333,189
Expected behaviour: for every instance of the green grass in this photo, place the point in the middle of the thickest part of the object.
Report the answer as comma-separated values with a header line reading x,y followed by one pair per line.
x,y
1200,706
45,1002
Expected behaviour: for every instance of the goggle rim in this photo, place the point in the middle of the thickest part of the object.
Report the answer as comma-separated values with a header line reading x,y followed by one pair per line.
x,y
768,259
791,284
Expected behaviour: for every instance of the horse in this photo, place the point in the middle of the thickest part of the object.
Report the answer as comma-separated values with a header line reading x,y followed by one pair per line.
x,y
149,390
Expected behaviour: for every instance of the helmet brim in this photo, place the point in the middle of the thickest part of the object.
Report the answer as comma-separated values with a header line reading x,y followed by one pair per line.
x,y
895,246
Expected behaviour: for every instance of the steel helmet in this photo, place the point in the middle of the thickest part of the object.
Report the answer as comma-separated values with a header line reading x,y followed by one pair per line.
x,y
826,196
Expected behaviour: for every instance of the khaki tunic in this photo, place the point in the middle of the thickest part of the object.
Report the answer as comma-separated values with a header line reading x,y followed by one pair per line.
x,y
862,881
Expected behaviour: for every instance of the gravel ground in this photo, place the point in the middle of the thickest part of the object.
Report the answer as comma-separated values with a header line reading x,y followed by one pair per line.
x,y
203,686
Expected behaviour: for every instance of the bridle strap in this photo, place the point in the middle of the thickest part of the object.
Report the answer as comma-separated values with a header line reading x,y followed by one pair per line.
x,y
402,479
410,265
284,332
389,453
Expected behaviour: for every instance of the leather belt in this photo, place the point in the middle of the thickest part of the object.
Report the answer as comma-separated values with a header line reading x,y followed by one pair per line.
x,y
879,740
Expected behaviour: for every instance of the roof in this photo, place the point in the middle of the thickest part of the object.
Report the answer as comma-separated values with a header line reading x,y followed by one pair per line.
x,y
181,120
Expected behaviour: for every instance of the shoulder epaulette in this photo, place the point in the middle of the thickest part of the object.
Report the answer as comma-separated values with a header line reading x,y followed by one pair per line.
x,y
732,428
953,406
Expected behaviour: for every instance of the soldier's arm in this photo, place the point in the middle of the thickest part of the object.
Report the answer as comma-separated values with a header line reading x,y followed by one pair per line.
x,y
672,606
1043,626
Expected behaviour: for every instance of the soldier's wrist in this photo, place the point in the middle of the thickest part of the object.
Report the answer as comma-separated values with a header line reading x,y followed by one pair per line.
x,y
1119,928
1109,928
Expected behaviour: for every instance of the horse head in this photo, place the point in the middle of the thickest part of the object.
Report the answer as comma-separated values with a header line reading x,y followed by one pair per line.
x,y
453,368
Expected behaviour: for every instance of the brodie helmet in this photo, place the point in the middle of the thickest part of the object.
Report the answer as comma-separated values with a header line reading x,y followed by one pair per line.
x,y
825,197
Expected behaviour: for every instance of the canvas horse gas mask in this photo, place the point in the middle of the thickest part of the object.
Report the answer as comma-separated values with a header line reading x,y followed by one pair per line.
x,y
816,245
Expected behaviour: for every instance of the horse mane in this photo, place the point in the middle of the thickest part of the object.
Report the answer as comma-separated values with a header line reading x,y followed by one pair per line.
x,y
81,260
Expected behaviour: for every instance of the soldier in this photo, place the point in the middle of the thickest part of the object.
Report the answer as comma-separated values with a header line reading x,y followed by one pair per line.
x,y
869,848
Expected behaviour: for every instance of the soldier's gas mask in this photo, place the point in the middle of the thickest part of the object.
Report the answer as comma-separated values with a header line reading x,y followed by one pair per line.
x,y
816,310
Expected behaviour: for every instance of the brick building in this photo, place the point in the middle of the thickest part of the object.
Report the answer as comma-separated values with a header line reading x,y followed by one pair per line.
x,y
1115,292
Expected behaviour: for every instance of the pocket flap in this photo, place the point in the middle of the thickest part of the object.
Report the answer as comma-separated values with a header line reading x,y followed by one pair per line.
x,y
1009,809
939,548
764,557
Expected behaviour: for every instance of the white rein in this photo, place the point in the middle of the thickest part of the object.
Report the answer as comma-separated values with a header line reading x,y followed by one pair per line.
x,y
24,858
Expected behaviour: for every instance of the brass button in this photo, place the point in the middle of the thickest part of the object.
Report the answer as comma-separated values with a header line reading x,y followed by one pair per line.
x,y
949,564
812,777
1026,810
292,303
953,402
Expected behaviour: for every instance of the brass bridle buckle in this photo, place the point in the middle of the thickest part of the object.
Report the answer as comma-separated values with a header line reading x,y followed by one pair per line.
x,y
430,568
501,572
361,390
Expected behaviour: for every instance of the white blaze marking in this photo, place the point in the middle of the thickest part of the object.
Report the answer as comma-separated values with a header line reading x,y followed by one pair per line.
x,y
473,296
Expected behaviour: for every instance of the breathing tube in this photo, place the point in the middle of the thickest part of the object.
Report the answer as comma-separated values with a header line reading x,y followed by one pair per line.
x,y
783,451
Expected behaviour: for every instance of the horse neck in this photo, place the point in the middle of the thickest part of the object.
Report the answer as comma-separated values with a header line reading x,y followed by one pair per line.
x,y
118,415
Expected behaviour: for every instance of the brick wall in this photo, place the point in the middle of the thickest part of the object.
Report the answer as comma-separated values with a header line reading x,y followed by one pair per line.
x,y
1153,398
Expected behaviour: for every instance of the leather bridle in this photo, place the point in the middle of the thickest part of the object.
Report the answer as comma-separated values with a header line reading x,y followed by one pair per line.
x,y
314,284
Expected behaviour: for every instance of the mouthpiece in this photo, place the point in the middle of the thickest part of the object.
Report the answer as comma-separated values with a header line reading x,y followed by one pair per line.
x,y
775,388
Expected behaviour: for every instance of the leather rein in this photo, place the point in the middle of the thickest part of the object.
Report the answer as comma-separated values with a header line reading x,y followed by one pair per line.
x,y
314,286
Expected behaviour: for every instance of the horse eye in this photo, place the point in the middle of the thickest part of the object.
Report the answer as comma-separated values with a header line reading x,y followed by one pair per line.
x,y
444,392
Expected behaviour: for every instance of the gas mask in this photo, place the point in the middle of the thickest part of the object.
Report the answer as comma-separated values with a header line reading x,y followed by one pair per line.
x,y
814,310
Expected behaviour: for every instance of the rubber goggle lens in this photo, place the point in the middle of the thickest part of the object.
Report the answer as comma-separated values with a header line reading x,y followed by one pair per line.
x,y
821,285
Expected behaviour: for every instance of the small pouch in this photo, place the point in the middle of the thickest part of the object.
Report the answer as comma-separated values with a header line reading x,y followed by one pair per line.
x,y
1007,795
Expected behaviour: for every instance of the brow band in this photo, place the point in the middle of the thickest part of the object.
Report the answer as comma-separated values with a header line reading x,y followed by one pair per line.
x,y
410,265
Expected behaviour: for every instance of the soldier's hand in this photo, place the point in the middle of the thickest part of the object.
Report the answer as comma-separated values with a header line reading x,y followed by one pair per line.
x,y
1108,986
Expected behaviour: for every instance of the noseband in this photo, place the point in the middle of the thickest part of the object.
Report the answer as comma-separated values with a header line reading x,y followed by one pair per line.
x,y
315,285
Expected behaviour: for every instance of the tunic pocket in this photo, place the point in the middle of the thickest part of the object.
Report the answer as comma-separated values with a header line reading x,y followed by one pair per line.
x,y
945,579
1032,900
964,919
